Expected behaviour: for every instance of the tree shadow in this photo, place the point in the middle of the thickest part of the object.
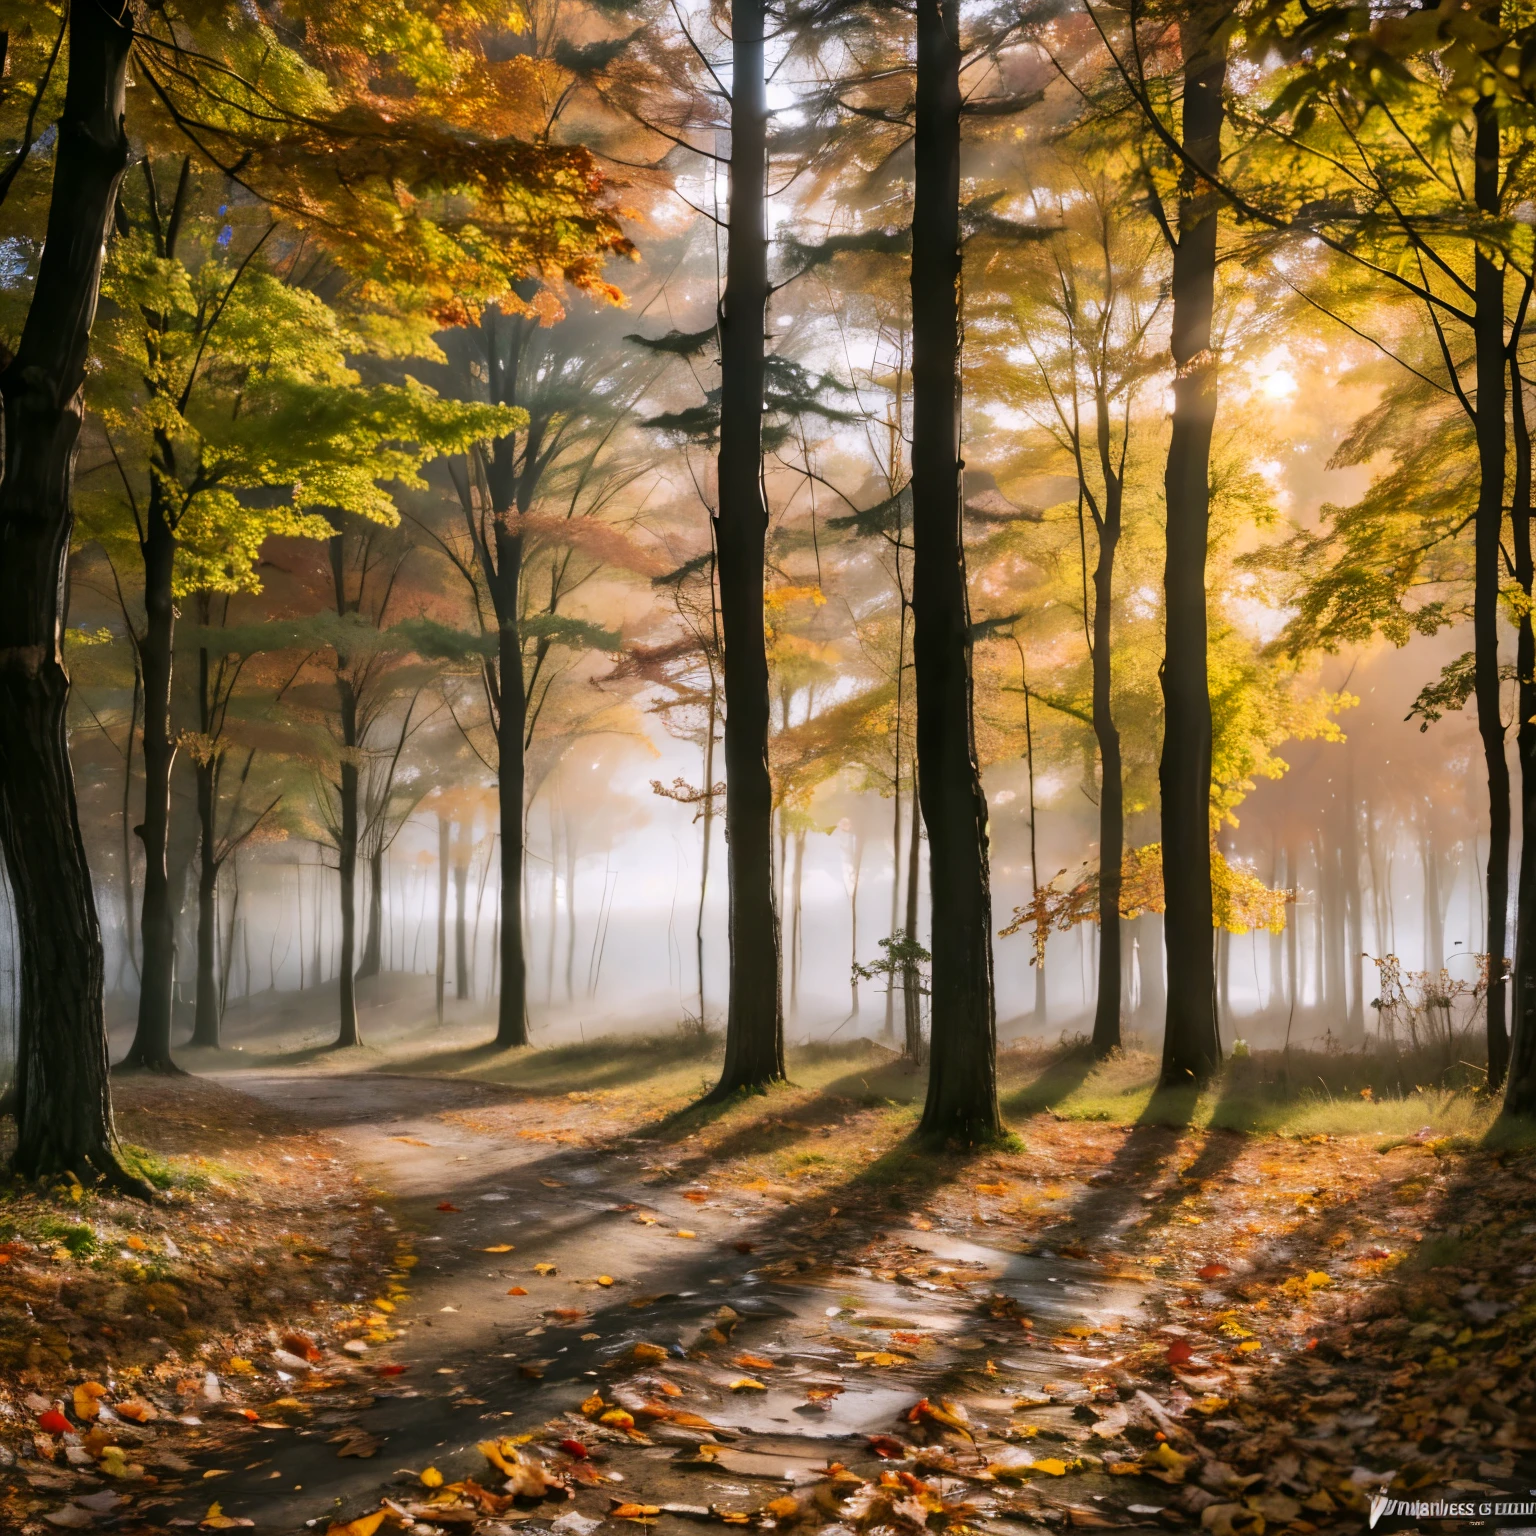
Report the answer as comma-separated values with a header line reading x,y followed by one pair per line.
x,y
1059,1078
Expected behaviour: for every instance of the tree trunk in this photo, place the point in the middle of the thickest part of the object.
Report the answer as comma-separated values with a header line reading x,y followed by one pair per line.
x,y
1191,1044
62,1100
913,1045
1520,1088
509,497
709,827
151,1046
795,942
1488,525
962,1075
1108,1008
346,862
442,912
205,1031
1354,924
1154,981
127,814
754,1021
512,1009
373,937
460,935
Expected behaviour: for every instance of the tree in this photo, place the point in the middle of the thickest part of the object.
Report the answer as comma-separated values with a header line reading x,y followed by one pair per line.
x,y
63,1108
962,1072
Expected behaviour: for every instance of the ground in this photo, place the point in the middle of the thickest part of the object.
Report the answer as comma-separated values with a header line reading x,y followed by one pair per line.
x,y
456,1290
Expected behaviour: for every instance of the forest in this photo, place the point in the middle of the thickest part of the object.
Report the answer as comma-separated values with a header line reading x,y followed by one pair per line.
x,y
883,650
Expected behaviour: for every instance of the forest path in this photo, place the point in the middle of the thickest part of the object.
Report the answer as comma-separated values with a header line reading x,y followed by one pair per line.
x,y
448,1162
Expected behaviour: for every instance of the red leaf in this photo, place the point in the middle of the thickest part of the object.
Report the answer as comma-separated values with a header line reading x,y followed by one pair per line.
x,y
446,1205
1179,1352
1212,1271
887,1445
574,1448
391,1370
53,1421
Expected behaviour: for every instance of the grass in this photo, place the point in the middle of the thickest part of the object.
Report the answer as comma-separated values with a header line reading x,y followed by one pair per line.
x,y
1270,1093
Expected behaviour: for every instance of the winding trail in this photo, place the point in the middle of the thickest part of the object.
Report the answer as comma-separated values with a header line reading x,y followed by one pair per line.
x,y
480,1362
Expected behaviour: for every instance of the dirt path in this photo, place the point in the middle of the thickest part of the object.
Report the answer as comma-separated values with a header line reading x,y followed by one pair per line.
x,y
481,1362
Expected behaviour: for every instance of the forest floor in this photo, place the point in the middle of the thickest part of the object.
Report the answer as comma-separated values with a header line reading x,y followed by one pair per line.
x,y
479,1292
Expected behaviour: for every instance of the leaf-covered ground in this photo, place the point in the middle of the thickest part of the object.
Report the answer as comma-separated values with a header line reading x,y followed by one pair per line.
x,y
780,1314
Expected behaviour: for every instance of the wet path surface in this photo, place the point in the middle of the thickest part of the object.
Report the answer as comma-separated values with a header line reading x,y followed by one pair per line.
x,y
706,1279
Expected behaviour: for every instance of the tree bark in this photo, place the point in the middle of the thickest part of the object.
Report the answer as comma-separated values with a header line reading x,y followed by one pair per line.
x,y
913,1045
62,1099
442,912
962,1073
509,497
346,841
1191,1044
1520,1087
205,1029
1109,1004
754,1021
373,936
151,1048
460,946
1488,526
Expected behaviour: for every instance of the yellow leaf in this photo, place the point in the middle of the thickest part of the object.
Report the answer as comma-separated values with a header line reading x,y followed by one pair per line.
x,y
647,1221
86,1406
1316,1280
880,1357
684,1232
634,1512
999,1188
747,1384
544,1268
1248,1346
137,1243
498,1248
618,1418
649,1353
431,1478
605,1279
1051,1466
240,1366
364,1525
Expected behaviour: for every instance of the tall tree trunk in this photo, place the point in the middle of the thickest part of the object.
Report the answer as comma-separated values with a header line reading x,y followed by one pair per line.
x,y
373,935
510,495
460,933
62,1100
1520,1089
1154,978
754,1021
346,862
512,724
709,827
1191,1044
151,1046
1107,1011
962,1075
205,1029
442,912
911,981
1038,967
127,813
1488,527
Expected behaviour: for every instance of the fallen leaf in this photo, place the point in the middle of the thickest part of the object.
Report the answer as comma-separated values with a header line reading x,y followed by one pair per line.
x,y
753,1363
552,1183
431,1478
411,1141
517,1290
138,1410
999,1188
86,1394
747,1384
446,1205
1179,1352
1212,1271
545,1268
605,1279
364,1525
498,1248
355,1442
649,1353
54,1422
634,1511
684,1232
